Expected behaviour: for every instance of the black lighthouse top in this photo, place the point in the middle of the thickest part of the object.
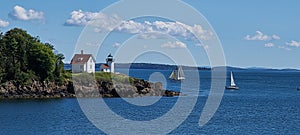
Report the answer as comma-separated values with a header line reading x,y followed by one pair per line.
x,y
109,58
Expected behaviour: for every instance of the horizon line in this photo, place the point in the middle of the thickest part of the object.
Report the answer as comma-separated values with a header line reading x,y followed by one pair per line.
x,y
230,66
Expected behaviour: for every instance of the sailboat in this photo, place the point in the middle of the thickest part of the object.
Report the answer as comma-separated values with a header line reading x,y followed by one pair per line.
x,y
232,84
177,74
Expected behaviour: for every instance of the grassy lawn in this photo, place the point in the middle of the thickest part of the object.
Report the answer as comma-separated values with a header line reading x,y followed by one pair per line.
x,y
103,76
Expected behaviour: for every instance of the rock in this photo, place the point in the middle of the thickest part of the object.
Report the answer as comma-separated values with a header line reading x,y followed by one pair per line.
x,y
139,87
170,93
83,88
157,86
62,94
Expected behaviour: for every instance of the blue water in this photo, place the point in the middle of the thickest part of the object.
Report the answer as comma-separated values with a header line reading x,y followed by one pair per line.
x,y
267,103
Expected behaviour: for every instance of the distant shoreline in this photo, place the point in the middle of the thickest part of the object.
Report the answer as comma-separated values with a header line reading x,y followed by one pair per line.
x,y
143,66
67,66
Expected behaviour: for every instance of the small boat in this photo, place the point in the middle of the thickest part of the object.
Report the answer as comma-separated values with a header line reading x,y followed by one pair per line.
x,y
177,75
232,84
298,88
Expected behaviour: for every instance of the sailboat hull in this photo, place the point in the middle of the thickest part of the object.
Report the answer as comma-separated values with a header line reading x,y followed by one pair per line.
x,y
232,87
177,79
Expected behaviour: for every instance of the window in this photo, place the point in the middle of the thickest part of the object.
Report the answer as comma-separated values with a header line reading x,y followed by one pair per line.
x,y
91,66
79,59
81,66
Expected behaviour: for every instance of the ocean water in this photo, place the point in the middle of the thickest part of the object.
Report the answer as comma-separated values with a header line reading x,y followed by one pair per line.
x,y
267,103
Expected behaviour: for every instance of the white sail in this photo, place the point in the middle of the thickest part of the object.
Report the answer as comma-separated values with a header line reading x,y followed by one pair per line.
x,y
180,73
173,75
177,74
232,80
232,84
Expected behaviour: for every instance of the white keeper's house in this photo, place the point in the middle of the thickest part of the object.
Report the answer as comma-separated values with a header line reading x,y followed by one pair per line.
x,y
83,63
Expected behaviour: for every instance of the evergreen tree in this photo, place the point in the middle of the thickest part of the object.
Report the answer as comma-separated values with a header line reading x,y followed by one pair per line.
x,y
25,58
59,67
2,58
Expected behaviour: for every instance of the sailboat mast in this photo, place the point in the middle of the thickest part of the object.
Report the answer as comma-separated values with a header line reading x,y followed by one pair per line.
x,y
178,73
232,80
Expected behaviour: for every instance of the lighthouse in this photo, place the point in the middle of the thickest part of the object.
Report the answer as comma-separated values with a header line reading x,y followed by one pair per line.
x,y
110,63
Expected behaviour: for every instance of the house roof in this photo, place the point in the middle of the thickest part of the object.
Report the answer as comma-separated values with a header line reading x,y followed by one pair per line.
x,y
81,58
104,66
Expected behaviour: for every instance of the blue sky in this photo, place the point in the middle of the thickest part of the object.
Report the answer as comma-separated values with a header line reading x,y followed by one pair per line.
x,y
253,33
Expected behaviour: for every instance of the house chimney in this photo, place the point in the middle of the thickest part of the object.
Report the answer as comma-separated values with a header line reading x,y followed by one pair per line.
x,y
81,51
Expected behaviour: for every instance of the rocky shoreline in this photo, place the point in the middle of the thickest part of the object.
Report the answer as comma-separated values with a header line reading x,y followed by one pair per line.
x,y
73,89
36,90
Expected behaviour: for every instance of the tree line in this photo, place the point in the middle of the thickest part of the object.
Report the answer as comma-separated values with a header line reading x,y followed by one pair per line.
x,y
25,58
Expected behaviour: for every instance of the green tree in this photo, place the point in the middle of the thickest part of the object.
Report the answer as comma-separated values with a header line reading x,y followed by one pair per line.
x,y
42,61
25,58
59,67
16,42
2,58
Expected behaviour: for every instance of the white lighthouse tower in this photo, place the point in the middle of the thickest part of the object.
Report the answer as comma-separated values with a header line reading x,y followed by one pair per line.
x,y
110,63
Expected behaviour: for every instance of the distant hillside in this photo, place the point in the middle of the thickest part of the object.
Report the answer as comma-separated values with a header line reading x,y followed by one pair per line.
x,y
155,66
172,67
142,66
257,69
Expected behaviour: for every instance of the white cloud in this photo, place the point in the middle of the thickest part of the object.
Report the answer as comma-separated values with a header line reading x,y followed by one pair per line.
x,y
275,37
101,21
269,45
104,22
21,13
153,35
293,43
196,29
116,44
160,28
3,23
132,27
206,47
173,45
285,48
261,37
